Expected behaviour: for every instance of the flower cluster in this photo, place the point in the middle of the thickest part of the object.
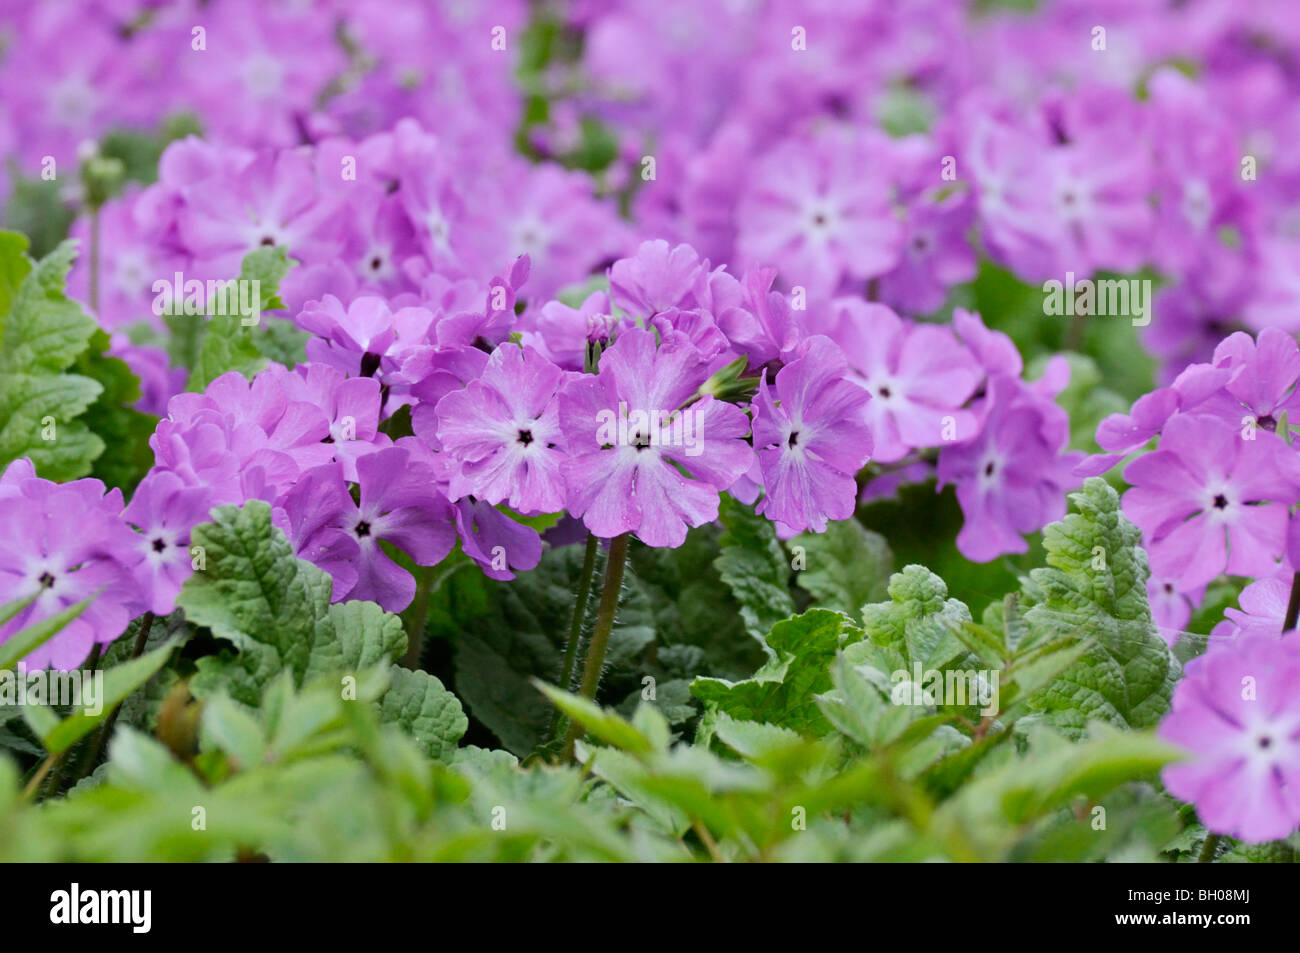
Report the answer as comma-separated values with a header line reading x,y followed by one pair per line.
x,y
598,264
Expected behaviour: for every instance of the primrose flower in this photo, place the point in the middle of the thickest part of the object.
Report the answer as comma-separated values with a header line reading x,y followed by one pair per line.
x,y
1237,712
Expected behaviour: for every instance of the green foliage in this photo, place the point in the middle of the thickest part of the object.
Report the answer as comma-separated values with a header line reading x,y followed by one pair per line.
x,y
113,417
1094,588
235,338
754,568
275,609
845,567
42,332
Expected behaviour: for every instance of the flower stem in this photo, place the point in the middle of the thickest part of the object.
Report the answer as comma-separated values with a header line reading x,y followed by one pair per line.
x,y
419,616
1208,849
94,261
575,626
1293,605
600,634
141,640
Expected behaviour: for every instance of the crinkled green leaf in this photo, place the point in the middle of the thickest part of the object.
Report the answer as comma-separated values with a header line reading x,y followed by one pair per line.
x,y
783,692
42,330
420,704
845,567
1094,588
275,609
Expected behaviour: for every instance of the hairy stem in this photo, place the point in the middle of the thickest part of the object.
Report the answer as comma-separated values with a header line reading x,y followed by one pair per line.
x,y
600,634
575,626
419,616
1208,849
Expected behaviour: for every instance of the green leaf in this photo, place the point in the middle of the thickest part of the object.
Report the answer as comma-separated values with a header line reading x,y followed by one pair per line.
x,y
114,419
697,621
995,807
282,341
845,567
604,723
1127,675
420,704
505,633
754,568
227,345
119,682
42,331
783,692
275,609
14,266
236,341
27,640
229,727
919,624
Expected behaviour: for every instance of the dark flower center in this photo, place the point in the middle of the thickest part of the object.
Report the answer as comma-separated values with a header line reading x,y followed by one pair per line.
x,y
363,528
369,364
819,219
1264,742
267,240
46,580
159,545
988,468
1268,423
794,439
525,437
375,263
884,392
1220,502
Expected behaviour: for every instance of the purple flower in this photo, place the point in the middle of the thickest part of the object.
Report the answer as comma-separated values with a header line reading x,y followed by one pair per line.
x,y
504,432
164,510
501,546
936,254
629,428
562,333
1012,478
812,437
1263,608
1209,501
274,200
237,435
657,278
1171,609
1237,711
918,374
819,210
355,338
65,543
351,405
398,504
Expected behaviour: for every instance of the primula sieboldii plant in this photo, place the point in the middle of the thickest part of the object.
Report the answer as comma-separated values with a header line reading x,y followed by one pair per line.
x,y
884,409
